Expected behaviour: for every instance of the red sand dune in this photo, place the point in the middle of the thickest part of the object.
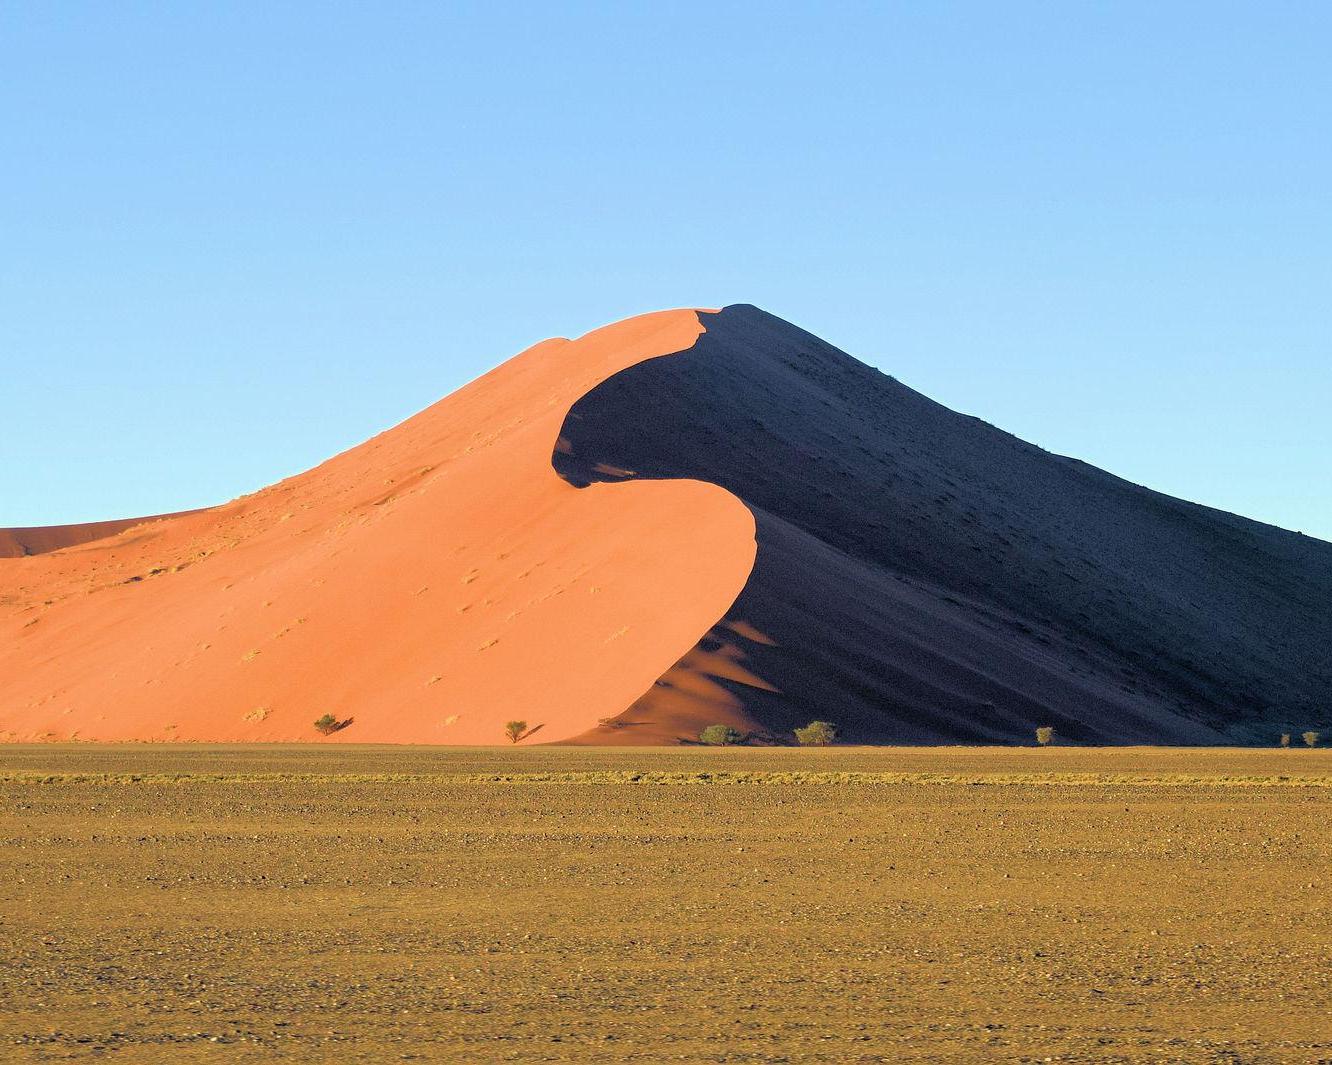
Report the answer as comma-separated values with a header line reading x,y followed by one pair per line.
x,y
682,519
431,584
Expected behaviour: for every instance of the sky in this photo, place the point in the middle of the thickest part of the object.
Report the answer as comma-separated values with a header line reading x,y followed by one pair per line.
x,y
237,239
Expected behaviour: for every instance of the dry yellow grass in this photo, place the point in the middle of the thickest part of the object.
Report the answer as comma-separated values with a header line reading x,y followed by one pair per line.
x,y
164,903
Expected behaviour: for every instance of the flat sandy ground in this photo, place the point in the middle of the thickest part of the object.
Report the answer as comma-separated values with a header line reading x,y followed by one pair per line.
x,y
160,903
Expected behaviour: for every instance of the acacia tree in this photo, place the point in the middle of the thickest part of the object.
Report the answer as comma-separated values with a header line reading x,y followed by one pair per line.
x,y
816,734
719,736
1311,738
515,730
327,725
1045,735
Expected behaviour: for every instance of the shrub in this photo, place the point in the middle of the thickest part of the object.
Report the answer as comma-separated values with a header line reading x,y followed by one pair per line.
x,y
1310,738
719,736
1285,739
327,725
1045,735
816,734
515,730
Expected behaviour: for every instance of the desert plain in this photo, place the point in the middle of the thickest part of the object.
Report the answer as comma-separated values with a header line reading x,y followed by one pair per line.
x,y
371,903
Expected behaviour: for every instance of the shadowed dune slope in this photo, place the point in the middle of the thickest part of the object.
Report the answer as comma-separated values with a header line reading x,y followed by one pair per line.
x,y
430,584
922,576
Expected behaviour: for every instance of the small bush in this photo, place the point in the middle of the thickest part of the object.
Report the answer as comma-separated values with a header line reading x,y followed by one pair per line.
x,y
719,736
816,734
1045,735
515,730
1285,739
1310,738
327,725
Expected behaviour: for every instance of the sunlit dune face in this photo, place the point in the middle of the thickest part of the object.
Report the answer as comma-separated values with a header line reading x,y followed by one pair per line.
x,y
429,585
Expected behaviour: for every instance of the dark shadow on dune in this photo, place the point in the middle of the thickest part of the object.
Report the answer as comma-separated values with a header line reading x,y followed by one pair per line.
x,y
924,577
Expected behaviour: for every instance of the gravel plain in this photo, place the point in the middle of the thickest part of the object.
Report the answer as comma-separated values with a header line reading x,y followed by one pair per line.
x,y
334,903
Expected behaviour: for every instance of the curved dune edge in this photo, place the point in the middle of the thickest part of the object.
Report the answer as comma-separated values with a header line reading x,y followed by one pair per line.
x,y
430,585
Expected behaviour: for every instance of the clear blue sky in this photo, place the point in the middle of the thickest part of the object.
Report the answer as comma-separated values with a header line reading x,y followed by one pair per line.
x,y
236,239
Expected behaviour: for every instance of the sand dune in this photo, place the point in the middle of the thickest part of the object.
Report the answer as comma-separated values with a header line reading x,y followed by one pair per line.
x,y
430,585
685,518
